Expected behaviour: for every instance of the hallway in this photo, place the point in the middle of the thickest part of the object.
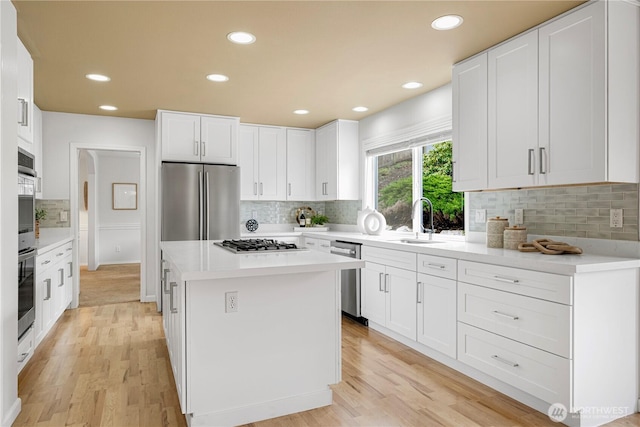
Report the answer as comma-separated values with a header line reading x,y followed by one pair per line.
x,y
109,284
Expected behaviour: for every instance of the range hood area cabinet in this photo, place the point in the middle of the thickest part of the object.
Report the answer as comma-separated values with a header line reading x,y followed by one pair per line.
x,y
337,161
197,138
559,105
262,157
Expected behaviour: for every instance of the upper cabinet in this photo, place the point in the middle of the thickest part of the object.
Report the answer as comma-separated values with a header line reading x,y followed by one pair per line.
x,y
25,97
301,167
562,104
469,81
337,161
198,138
262,157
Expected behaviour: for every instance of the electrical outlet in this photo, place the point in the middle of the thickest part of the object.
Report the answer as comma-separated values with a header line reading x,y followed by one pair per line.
x,y
63,216
117,248
481,216
615,218
519,217
231,302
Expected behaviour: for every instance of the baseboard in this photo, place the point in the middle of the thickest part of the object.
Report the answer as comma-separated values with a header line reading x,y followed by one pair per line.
x,y
13,413
263,411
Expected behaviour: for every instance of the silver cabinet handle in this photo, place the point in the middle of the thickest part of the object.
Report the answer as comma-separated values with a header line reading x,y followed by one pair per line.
x,y
261,188
201,206
23,356
70,264
207,206
196,147
255,188
164,280
506,280
60,254
436,266
508,316
505,361
531,169
39,184
386,283
45,262
69,249
48,282
289,188
61,271
543,155
24,112
171,307
418,298
311,244
380,282
203,151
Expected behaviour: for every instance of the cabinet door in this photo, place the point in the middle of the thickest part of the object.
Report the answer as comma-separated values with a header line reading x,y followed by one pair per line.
x,y
272,166
572,97
46,284
248,162
513,117
400,287
68,280
25,97
176,304
301,168
327,162
373,299
437,313
180,137
218,140
59,291
469,81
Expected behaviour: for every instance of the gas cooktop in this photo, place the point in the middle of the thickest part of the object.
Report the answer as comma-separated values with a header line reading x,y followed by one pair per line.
x,y
257,245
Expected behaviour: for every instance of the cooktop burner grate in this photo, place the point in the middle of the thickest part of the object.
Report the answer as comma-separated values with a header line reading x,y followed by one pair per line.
x,y
256,245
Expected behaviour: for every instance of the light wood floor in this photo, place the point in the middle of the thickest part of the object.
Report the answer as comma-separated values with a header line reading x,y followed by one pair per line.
x,y
109,366
109,284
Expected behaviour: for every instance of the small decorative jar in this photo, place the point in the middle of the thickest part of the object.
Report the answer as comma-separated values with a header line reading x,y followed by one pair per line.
x,y
513,236
495,232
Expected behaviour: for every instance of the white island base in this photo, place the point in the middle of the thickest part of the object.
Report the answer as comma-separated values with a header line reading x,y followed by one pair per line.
x,y
276,355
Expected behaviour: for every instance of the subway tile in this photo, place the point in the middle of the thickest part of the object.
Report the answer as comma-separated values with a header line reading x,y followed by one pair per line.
x,y
624,187
630,195
598,235
576,219
617,204
565,211
599,189
625,236
603,203
589,227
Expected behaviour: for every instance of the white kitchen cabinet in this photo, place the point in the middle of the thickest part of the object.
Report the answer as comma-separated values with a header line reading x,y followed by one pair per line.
x,y
437,298
513,152
469,81
337,161
389,290
262,157
26,346
301,167
322,245
25,98
198,138
44,297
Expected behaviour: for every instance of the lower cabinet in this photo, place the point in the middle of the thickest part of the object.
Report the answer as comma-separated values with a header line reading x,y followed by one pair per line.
x,y
322,245
437,313
54,287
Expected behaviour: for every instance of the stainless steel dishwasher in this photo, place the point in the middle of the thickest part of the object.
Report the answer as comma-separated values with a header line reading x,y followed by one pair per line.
x,y
350,280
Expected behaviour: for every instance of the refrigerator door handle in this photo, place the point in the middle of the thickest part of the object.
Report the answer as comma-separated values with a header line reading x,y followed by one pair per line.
x,y
206,195
201,212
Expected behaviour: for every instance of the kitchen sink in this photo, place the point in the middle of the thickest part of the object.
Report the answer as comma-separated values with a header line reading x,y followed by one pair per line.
x,y
416,241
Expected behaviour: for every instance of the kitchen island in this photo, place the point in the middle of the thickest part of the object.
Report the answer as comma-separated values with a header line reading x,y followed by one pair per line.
x,y
251,336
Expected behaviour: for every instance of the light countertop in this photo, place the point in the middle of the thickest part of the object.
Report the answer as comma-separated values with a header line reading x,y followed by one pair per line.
x,y
52,237
201,260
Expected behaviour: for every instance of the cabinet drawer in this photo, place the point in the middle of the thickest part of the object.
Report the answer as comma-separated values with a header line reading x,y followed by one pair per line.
x,y
45,261
542,324
551,287
26,346
541,374
437,266
389,257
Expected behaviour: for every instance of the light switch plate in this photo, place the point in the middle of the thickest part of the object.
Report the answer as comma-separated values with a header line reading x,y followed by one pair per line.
x,y
615,218
481,216
519,217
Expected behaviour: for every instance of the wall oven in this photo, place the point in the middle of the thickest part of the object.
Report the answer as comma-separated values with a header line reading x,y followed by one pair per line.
x,y
26,241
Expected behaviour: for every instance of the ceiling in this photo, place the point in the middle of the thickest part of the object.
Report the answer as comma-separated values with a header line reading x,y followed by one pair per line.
x,y
323,56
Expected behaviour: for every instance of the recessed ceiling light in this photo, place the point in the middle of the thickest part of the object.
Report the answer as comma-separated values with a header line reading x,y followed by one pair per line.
x,y
301,112
217,77
447,22
241,37
412,85
108,107
98,77
360,109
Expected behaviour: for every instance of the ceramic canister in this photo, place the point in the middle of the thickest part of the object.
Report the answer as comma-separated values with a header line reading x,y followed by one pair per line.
x,y
495,232
513,236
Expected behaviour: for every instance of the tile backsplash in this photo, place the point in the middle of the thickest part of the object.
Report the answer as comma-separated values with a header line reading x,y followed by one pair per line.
x,y
53,208
575,211
338,212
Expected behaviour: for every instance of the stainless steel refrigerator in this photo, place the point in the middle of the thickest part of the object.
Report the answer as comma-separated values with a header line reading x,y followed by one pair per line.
x,y
200,202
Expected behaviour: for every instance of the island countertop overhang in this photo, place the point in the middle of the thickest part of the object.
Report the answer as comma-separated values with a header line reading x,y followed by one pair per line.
x,y
202,260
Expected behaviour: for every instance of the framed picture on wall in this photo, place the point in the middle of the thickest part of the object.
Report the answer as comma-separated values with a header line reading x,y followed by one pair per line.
x,y
124,196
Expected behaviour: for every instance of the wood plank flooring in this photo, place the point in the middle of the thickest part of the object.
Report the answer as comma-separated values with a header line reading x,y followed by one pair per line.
x,y
109,366
109,284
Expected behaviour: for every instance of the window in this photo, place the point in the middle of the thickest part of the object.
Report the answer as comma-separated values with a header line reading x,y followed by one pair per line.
x,y
401,177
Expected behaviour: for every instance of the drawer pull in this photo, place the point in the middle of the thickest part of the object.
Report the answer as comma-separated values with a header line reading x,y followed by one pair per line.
x,y
386,283
509,316
380,282
506,280
418,296
436,266
23,356
45,263
505,361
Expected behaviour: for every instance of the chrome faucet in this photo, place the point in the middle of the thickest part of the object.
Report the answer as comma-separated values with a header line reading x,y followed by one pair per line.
x,y
413,212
